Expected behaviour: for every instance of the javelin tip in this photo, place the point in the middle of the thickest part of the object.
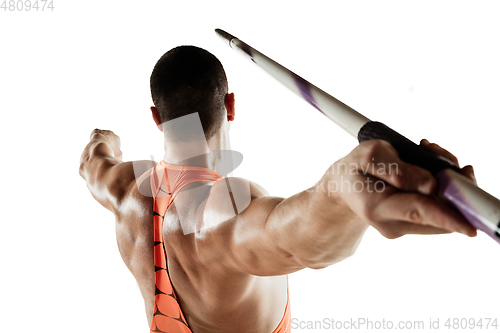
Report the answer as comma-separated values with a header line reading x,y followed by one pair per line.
x,y
224,35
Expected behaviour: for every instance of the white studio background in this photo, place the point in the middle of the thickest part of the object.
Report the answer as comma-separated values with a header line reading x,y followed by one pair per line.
x,y
425,68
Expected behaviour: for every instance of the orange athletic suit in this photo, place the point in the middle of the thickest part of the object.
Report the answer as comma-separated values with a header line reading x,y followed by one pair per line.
x,y
168,316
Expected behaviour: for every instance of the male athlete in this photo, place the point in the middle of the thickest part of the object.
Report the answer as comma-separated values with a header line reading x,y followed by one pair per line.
x,y
211,253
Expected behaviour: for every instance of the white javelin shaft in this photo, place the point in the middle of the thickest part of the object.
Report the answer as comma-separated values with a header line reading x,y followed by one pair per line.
x,y
480,208
341,114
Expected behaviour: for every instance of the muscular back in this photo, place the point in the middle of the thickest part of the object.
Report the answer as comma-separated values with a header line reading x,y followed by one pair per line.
x,y
215,294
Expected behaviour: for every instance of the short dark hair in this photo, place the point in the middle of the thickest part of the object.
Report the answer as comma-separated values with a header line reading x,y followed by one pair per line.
x,y
189,79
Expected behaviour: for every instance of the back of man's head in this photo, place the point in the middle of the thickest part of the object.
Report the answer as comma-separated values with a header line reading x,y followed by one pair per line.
x,y
189,79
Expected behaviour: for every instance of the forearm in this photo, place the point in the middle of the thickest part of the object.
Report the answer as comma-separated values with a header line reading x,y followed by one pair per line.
x,y
316,226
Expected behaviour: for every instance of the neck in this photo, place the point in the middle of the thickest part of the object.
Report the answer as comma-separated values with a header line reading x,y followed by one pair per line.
x,y
201,153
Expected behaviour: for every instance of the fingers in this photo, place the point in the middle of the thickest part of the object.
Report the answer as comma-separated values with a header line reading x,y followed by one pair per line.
x,y
97,131
395,213
378,158
401,228
435,148
419,210
406,204
101,131
109,137
468,171
106,133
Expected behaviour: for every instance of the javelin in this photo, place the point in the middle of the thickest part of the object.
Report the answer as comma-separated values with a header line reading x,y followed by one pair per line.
x,y
480,209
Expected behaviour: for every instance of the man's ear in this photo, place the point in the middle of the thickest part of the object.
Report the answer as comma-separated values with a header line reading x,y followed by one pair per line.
x,y
230,106
156,118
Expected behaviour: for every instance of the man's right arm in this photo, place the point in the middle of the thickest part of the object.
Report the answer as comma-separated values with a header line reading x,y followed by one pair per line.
x,y
324,224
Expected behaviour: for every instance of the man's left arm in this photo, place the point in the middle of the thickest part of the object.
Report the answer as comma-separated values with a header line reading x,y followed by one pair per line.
x,y
107,177
112,183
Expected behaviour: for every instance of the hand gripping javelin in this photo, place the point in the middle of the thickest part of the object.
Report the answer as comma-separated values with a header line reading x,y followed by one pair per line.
x,y
481,209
